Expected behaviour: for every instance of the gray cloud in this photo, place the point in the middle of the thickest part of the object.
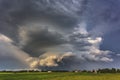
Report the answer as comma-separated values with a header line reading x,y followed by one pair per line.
x,y
38,41
11,55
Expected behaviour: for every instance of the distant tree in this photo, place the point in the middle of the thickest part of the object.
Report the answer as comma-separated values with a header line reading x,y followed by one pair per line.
x,y
113,70
84,71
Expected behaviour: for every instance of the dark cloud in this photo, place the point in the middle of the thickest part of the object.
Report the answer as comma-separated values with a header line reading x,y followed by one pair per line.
x,y
15,12
40,40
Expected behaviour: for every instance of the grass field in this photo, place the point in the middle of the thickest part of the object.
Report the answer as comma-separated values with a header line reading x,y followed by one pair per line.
x,y
58,76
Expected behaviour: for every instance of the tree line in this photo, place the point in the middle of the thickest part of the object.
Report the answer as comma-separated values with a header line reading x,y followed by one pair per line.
x,y
105,70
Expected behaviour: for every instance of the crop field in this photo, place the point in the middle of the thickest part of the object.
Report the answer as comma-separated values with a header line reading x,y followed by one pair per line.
x,y
58,76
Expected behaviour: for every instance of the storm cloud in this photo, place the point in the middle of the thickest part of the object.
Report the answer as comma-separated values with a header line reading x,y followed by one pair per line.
x,y
57,34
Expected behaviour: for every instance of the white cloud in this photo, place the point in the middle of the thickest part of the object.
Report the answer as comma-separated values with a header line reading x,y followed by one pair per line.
x,y
5,38
49,59
88,46
118,54
106,59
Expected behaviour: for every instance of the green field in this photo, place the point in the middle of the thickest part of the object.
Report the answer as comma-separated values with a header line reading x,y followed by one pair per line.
x,y
58,76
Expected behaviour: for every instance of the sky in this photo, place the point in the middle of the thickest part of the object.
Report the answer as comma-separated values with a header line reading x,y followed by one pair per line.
x,y
59,34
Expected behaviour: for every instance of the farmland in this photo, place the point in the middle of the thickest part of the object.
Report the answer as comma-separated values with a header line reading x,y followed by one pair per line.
x,y
58,76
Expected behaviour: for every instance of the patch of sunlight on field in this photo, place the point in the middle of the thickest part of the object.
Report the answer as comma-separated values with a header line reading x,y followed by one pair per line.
x,y
58,76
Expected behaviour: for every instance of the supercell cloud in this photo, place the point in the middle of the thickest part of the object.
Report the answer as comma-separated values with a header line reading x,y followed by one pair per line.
x,y
56,34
